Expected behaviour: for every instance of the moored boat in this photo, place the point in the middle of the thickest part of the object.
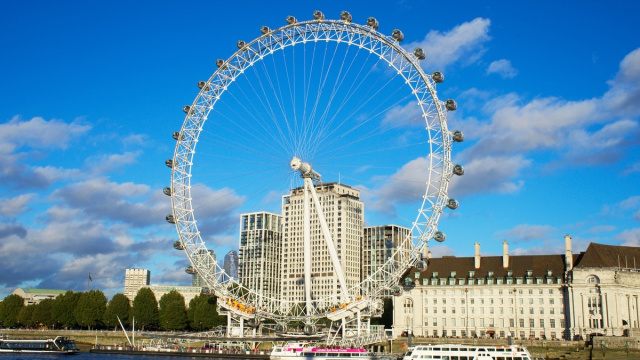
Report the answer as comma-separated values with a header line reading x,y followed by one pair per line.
x,y
300,351
467,352
60,345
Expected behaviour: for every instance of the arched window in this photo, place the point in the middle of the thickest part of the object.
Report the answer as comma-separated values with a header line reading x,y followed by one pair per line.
x,y
408,306
593,280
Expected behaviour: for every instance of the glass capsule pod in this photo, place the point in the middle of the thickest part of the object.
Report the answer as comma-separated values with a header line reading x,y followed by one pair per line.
x,y
437,77
451,105
457,136
188,110
396,290
203,85
190,270
177,136
219,62
281,329
452,204
419,53
291,20
373,23
398,35
170,219
254,322
167,191
439,236
310,329
458,169
169,163
420,265
178,245
318,15
265,30
240,44
345,16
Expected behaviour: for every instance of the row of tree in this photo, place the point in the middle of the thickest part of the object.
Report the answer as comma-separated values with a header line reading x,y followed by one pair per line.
x,y
90,310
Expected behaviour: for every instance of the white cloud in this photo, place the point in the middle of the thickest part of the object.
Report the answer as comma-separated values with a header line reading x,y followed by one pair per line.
x,y
490,174
526,233
39,133
630,237
464,42
14,206
108,162
503,68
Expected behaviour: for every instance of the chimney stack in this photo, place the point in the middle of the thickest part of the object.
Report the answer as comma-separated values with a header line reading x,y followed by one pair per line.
x,y
505,254
568,254
477,256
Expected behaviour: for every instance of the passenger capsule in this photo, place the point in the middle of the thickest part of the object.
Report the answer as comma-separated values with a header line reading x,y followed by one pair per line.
x,y
177,136
205,290
439,236
373,23
178,245
291,20
396,290
420,265
318,15
452,204
219,62
398,35
169,163
419,53
437,77
167,191
203,85
170,219
265,30
458,170
281,329
310,329
190,270
188,110
457,136
254,323
241,44
345,16
451,105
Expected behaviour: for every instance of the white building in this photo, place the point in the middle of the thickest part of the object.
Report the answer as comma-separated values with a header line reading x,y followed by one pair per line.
x,y
134,279
379,244
344,213
34,296
526,296
260,253
188,292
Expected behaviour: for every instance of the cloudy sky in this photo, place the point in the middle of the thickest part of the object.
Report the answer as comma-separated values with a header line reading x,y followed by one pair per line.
x,y
548,98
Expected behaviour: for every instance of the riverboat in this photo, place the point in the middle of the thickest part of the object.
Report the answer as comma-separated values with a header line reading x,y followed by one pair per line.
x,y
60,345
467,352
302,351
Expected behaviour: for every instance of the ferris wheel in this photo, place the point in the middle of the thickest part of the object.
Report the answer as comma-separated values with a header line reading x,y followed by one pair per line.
x,y
303,108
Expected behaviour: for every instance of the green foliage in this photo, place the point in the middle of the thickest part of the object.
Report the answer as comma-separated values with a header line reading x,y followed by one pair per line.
x,y
9,310
203,313
63,309
90,309
25,316
173,313
42,315
119,306
145,309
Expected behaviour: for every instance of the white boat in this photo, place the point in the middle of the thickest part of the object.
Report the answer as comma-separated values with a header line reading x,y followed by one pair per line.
x,y
300,351
467,352
60,345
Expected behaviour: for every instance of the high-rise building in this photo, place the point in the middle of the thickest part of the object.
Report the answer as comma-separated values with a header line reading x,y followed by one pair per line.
x,y
134,279
379,244
196,279
260,253
344,213
230,265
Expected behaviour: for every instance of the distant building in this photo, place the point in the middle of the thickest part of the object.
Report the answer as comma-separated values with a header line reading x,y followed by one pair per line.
x,y
260,253
230,265
34,296
526,296
378,245
134,280
188,292
210,262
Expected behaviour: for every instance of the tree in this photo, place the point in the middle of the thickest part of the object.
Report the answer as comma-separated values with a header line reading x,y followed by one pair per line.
x,y
9,310
25,316
173,312
42,313
145,309
203,313
63,309
118,307
90,309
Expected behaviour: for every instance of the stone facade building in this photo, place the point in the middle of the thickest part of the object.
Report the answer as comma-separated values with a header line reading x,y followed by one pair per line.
x,y
525,296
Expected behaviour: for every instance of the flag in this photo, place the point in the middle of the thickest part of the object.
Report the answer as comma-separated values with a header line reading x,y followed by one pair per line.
x,y
90,279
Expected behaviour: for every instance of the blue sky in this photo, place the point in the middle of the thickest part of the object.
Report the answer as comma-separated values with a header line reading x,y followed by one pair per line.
x,y
548,98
